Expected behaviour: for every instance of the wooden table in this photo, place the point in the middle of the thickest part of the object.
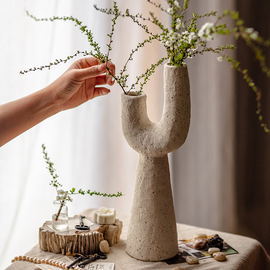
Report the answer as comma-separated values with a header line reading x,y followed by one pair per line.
x,y
251,256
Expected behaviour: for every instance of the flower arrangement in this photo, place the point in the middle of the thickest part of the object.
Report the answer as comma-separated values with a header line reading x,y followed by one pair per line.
x,y
184,39
65,196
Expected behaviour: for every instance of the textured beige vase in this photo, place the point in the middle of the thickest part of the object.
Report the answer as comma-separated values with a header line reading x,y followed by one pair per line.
x,y
152,234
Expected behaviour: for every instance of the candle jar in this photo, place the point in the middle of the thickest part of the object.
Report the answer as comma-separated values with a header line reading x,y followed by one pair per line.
x,y
60,216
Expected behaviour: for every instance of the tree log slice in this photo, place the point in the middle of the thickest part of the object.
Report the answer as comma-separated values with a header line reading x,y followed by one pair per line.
x,y
75,241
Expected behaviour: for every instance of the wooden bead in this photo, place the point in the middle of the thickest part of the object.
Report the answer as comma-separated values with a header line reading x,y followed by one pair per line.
x,y
104,246
45,261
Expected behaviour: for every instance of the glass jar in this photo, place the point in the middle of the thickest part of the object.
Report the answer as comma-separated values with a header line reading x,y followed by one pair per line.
x,y
60,216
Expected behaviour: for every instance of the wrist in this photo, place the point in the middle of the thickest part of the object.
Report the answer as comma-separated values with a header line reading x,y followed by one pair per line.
x,y
51,102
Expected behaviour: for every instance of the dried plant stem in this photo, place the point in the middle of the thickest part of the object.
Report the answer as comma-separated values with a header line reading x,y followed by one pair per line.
x,y
59,211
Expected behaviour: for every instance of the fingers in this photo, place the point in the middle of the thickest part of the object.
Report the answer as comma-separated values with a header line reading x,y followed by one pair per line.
x,y
90,62
85,62
90,72
104,79
94,71
111,67
100,91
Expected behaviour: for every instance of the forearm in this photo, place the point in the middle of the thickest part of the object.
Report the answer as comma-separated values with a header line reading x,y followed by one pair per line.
x,y
74,87
20,115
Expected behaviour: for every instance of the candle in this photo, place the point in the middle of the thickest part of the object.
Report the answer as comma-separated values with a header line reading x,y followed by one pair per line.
x,y
104,216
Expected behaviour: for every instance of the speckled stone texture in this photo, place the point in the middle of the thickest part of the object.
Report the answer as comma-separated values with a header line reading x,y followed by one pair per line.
x,y
152,232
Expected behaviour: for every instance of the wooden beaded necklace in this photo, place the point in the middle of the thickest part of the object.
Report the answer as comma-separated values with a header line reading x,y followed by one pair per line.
x,y
44,261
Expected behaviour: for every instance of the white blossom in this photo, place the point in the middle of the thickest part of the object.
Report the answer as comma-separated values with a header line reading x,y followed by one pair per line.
x,y
220,58
179,24
254,35
172,39
191,37
60,191
69,199
206,31
168,43
176,3
249,30
176,35
170,10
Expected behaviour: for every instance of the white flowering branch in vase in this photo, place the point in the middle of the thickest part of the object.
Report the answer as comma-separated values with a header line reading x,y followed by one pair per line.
x,y
65,196
186,40
182,40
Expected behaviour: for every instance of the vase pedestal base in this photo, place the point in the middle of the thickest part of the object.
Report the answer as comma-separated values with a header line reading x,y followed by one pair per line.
x,y
152,234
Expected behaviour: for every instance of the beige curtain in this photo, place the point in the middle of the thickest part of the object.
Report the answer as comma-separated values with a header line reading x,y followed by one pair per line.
x,y
203,169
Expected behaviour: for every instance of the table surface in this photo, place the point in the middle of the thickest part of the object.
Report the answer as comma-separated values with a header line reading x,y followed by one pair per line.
x,y
251,254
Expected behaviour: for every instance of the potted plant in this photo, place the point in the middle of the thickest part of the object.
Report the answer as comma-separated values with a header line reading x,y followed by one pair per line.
x,y
60,209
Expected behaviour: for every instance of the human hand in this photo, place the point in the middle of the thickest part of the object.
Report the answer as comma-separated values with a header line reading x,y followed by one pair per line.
x,y
79,83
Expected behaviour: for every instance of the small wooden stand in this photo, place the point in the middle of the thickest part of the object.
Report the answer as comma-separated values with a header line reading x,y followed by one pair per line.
x,y
75,241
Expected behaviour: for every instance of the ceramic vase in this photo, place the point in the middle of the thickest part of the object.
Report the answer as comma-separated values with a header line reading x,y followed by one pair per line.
x,y
152,234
